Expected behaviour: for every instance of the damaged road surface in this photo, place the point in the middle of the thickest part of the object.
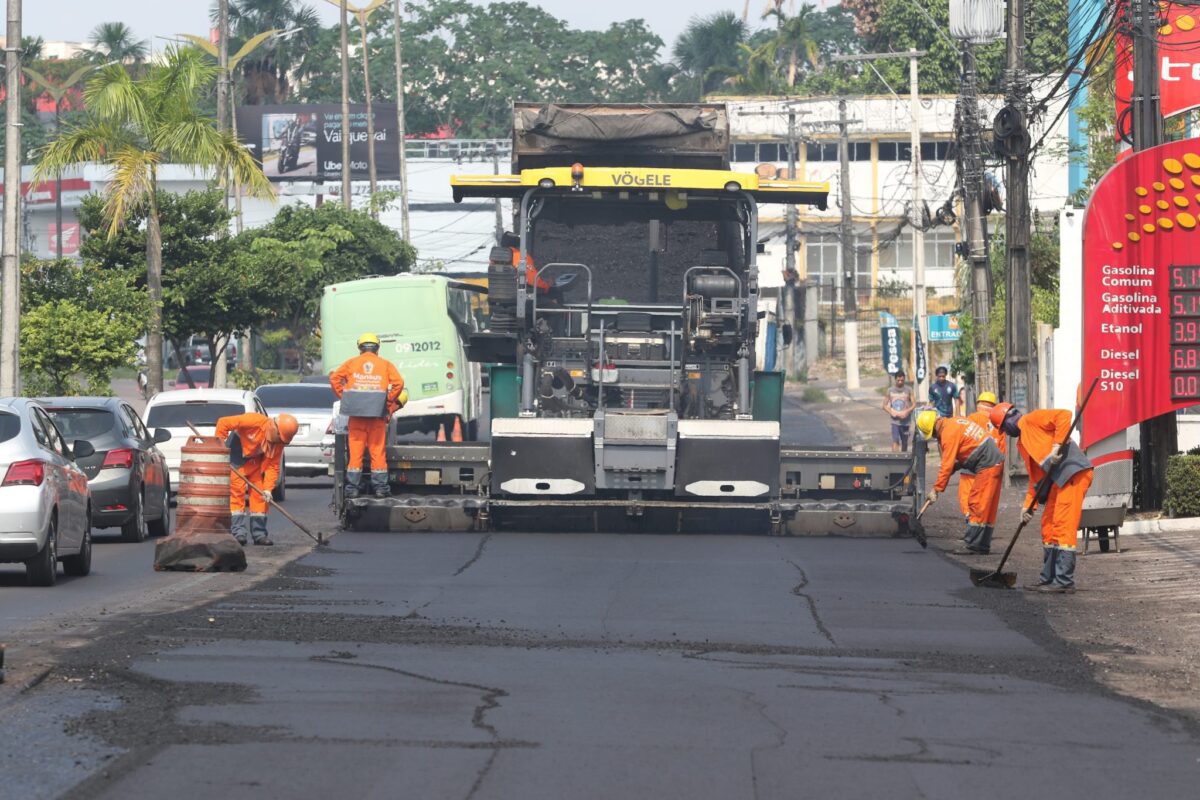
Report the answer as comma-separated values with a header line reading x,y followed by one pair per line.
x,y
543,666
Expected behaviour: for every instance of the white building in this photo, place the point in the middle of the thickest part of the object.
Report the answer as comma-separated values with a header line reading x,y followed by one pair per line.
x,y
880,180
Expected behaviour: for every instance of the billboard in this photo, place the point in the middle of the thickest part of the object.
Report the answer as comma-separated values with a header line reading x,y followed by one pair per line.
x,y
304,142
1178,68
1141,289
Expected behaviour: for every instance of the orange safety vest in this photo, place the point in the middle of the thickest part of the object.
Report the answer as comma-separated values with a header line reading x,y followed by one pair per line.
x,y
368,372
958,438
252,430
531,276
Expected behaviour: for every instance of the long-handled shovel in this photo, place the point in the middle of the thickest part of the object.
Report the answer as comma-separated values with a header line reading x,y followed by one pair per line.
x,y
918,529
317,537
997,579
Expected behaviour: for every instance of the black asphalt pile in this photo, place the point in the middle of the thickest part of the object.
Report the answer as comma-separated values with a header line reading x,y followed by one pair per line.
x,y
199,551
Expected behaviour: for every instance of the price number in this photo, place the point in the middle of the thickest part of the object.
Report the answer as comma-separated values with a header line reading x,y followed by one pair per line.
x,y
1185,331
1185,304
1186,277
1185,386
1185,358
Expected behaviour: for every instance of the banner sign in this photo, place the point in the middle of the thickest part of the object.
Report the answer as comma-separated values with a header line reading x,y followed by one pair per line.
x,y
1179,64
304,142
922,366
893,358
1141,289
944,328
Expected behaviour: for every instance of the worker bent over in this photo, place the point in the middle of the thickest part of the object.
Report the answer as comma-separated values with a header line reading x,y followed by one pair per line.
x,y
982,417
255,443
1040,436
967,445
513,243
371,390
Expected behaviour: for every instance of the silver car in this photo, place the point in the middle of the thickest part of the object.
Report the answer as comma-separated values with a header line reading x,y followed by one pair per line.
x,y
312,406
45,503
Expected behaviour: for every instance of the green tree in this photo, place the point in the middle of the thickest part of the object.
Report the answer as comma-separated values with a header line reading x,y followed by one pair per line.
x,y
133,126
267,73
76,322
793,40
708,51
304,249
115,41
206,292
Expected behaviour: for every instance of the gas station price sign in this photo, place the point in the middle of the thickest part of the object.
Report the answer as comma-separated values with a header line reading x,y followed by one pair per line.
x,y
1185,332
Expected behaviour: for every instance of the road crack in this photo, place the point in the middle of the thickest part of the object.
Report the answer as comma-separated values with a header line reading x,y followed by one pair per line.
x,y
617,588
490,700
798,590
478,554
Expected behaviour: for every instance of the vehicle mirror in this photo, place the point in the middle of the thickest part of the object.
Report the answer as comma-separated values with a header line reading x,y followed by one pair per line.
x,y
82,448
161,435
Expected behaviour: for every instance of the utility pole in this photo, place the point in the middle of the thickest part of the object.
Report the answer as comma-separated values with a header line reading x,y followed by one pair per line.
x,y
1021,378
499,207
362,15
970,148
791,276
849,260
345,28
10,270
1159,435
404,232
220,360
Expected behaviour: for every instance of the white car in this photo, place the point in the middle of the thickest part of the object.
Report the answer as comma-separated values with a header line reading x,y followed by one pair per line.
x,y
312,406
45,503
202,408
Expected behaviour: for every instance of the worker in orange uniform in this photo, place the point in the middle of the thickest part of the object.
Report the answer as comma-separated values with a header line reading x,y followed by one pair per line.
x,y
965,444
1040,441
371,390
513,243
966,479
255,443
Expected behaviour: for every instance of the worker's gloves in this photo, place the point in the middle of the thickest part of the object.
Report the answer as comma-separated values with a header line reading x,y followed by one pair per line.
x,y
402,399
1026,515
1056,455
933,495
266,496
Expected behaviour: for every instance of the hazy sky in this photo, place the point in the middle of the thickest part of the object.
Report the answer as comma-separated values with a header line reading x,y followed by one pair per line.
x,y
72,20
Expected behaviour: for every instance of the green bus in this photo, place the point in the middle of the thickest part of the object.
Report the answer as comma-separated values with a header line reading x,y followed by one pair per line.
x,y
422,322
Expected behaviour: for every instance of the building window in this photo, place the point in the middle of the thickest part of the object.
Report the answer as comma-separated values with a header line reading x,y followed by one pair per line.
x,y
745,153
822,151
821,258
935,151
860,151
769,152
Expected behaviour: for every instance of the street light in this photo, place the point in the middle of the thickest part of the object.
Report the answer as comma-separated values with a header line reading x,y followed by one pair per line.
x,y
977,21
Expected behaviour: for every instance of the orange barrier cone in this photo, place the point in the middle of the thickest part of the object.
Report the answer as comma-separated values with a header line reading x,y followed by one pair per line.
x,y
441,435
456,435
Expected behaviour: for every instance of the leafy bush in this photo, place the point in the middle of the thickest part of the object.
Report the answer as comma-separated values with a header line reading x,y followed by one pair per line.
x,y
814,395
1183,486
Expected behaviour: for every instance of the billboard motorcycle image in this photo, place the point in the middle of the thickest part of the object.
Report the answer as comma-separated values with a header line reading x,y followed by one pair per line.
x,y
304,142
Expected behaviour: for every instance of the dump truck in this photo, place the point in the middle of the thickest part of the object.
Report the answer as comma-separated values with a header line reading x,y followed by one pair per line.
x,y
623,388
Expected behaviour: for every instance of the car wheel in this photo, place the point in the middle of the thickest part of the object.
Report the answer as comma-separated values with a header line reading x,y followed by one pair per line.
x,y
135,529
280,491
42,569
162,525
80,564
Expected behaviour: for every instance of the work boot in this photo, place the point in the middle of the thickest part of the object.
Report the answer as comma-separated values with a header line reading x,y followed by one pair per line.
x,y
265,541
239,526
977,539
969,551
1056,588
1035,587
379,484
258,529
353,481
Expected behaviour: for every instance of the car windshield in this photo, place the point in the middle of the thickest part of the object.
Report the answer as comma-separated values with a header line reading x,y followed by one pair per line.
x,y
298,395
10,426
82,423
178,415
199,375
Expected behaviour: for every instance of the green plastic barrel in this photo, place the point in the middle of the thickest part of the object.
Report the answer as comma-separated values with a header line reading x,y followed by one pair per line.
x,y
767,389
505,391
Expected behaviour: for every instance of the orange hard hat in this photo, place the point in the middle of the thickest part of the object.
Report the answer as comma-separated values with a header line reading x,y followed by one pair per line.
x,y
287,426
999,412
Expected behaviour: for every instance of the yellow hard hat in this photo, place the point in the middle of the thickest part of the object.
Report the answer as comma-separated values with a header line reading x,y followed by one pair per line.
x,y
988,397
368,338
925,422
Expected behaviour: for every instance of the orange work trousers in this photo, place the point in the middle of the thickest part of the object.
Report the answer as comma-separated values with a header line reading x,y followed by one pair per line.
x,y
965,481
1064,507
240,491
367,434
984,499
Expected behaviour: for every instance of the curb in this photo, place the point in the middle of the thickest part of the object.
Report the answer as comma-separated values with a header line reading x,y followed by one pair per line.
x,y
1168,525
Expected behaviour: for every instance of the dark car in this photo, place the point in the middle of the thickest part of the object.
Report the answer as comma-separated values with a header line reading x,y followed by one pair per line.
x,y
127,474
201,376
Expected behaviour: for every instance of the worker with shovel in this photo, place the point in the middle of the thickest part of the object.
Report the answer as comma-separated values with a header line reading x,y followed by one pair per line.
x,y
1043,440
966,445
371,390
255,443
966,479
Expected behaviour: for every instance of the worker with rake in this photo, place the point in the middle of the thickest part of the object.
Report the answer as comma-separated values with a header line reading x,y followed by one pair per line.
x,y
1039,437
982,416
965,444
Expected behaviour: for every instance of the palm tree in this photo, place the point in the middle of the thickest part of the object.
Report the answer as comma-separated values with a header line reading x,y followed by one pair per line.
x,y
115,41
793,38
134,125
267,76
708,49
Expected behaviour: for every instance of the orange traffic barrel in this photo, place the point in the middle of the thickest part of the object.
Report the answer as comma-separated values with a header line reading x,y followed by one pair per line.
x,y
203,496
